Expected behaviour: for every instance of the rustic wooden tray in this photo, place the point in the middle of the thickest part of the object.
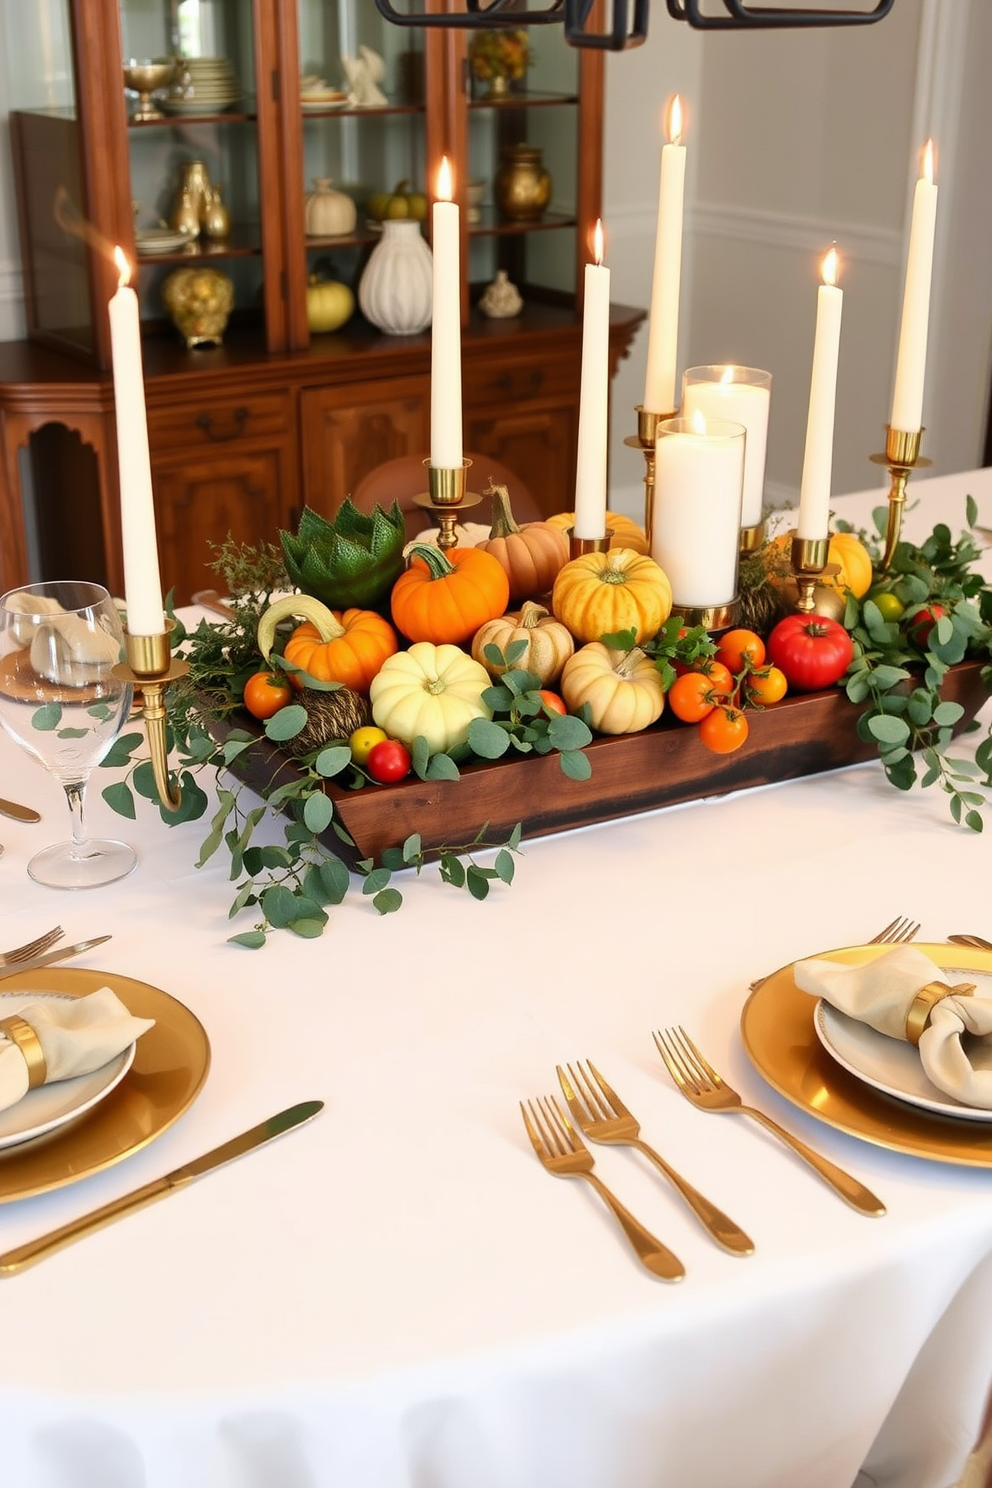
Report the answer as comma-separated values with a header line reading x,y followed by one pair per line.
x,y
804,734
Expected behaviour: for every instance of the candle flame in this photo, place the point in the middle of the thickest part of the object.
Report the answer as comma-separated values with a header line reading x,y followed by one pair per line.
x,y
928,161
444,180
123,267
598,241
828,269
698,421
675,120
727,376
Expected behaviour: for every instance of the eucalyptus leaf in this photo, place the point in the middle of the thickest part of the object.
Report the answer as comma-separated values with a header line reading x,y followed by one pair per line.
x,y
287,723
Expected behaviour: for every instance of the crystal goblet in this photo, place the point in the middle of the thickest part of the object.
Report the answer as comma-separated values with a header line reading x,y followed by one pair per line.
x,y
61,702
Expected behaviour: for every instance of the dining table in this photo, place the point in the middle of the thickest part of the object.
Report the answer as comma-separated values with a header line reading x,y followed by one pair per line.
x,y
397,1294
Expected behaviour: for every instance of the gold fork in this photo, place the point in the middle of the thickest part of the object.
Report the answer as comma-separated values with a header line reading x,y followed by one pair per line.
x,y
565,1155
971,940
900,930
600,1114
699,1082
31,948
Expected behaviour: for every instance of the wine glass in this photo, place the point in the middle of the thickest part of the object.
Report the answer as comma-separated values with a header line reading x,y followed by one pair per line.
x,y
61,701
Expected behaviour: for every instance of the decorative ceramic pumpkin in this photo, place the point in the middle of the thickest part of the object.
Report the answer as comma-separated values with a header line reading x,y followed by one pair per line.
x,y
532,555
331,646
603,593
622,688
624,531
446,596
433,691
327,213
548,643
329,304
396,291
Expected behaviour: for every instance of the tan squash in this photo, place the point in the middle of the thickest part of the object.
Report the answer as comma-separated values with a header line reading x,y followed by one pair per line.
x,y
624,531
531,556
548,643
622,688
603,593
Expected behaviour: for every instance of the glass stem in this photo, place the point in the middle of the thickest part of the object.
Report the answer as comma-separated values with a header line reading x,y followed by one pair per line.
x,y
74,794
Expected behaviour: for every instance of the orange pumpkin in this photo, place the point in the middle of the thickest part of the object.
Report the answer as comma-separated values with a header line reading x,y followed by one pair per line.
x,y
446,595
349,648
624,531
532,556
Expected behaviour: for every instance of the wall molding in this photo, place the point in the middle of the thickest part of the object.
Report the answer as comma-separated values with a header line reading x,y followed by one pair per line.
x,y
11,280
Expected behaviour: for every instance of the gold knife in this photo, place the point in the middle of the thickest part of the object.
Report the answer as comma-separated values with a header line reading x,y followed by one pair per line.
x,y
19,813
36,1250
51,957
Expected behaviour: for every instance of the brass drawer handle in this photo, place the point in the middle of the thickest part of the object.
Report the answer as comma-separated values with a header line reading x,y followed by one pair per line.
x,y
206,423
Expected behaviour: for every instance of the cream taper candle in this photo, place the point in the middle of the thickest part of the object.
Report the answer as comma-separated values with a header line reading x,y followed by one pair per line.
x,y
594,393
911,362
142,580
814,493
446,329
663,323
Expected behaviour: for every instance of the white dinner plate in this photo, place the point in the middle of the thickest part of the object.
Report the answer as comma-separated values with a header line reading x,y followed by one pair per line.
x,y
51,1106
156,240
889,1064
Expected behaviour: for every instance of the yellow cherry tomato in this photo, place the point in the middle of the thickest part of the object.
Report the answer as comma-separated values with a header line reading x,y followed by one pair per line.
x,y
363,741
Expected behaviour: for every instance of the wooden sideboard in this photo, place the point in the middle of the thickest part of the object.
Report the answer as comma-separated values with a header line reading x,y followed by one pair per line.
x,y
241,439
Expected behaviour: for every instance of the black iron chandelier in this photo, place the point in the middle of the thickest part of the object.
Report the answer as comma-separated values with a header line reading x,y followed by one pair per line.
x,y
629,18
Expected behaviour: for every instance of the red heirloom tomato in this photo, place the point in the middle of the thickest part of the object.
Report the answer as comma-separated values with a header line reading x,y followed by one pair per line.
x,y
923,622
388,760
812,650
265,693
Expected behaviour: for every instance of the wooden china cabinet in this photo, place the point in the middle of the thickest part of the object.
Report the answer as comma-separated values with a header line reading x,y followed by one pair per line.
x,y
242,434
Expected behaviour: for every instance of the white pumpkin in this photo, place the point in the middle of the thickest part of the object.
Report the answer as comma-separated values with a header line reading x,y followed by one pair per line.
x,y
431,690
396,291
327,213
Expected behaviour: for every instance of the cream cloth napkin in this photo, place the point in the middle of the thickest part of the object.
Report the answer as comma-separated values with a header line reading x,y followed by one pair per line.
x,y
955,1047
77,1036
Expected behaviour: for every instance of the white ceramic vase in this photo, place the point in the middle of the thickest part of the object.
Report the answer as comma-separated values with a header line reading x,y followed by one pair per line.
x,y
396,291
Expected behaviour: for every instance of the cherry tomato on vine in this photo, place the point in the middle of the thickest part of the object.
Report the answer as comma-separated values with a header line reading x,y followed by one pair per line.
x,y
738,647
765,687
388,760
723,730
265,693
691,698
717,675
363,741
552,702
923,622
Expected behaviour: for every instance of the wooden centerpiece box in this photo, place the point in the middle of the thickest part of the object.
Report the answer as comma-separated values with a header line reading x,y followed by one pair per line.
x,y
804,734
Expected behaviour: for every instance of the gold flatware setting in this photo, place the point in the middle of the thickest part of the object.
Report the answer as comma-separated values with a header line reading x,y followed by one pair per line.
x,y
564,1154
17,812
31,948
901,930
970,940
600,1115
61,953
699,1082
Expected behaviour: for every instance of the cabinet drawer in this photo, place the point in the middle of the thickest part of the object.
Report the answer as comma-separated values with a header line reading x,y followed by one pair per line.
x,y
181,431
495,385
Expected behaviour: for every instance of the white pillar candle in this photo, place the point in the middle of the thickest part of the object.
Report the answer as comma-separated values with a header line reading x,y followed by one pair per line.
x,y
142,581
594,393
911,362
446,330
698,479
814,492
663,323
743,396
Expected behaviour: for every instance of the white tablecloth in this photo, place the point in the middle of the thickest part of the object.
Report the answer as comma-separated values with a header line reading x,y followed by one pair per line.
x,y
397,1296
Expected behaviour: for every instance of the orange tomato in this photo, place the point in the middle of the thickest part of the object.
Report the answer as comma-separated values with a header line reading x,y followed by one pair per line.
x,y
552,702
765,687
739,648
717,675
723,730
691,697
265,693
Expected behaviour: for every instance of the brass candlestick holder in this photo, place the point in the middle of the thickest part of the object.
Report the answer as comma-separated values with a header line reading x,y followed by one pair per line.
x,y
577,546
752,538
447,497
644,440
151,666
809,559
902,456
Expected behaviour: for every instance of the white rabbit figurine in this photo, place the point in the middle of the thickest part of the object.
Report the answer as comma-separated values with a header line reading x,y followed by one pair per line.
x,y
364,74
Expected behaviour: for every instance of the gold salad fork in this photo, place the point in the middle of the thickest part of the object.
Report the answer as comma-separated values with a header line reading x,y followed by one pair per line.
x,y
897,933
32,947
600,1114
565,1155
971,940
699,1082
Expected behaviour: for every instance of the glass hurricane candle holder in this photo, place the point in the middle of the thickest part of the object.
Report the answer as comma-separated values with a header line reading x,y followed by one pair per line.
x,y
699,481
742,395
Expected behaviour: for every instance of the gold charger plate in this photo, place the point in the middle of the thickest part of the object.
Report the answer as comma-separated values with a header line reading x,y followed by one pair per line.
x,y
170,1066
781,1043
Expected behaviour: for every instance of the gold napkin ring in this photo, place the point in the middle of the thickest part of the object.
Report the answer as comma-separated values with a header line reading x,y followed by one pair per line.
x,y
926,1000
24,1036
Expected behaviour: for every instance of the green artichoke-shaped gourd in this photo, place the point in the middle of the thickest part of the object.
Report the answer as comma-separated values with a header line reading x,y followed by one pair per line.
x,y
350,562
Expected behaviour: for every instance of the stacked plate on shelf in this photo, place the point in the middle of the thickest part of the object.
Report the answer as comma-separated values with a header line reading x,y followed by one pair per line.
x,y
204,85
